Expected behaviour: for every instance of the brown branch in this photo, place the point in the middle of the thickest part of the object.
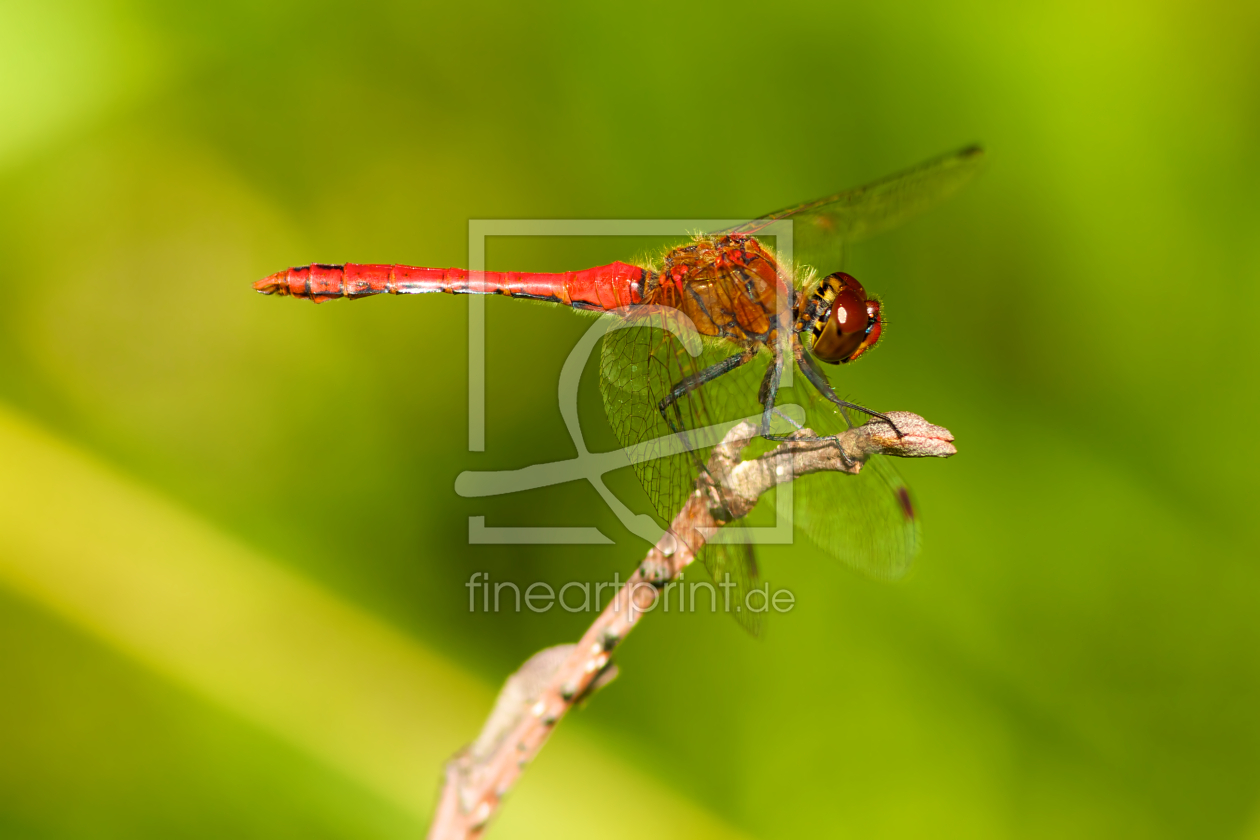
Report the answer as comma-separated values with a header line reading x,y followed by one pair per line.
x,y
548,685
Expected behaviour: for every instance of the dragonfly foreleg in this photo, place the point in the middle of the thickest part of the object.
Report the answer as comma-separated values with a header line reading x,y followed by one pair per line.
x,y
819,380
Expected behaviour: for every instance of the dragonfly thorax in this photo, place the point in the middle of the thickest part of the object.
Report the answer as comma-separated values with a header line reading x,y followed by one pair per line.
x,y
729,287
842,322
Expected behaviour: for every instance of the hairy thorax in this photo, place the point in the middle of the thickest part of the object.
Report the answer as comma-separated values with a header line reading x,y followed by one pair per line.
x,y
729,286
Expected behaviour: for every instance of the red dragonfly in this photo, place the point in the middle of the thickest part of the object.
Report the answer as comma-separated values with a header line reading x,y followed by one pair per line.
x,y
757,316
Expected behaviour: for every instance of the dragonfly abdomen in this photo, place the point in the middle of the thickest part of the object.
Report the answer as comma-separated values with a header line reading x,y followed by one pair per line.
x,y
604,287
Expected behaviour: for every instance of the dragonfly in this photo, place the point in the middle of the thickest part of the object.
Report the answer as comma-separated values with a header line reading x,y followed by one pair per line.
x,y
757,316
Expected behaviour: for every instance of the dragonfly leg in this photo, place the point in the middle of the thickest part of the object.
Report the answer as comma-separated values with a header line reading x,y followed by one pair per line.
x,y
772,385
690,383
768,393
789,419
819,380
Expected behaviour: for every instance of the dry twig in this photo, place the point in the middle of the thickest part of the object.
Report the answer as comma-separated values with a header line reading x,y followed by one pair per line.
x,y
535,698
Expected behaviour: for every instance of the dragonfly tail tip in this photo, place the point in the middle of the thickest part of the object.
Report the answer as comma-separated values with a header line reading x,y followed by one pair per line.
x,y
272,284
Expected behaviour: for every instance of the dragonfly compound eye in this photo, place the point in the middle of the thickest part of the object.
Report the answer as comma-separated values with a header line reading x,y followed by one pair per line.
x,y
852,323
874,326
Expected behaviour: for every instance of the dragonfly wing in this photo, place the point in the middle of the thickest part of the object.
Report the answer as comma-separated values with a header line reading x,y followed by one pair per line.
x,y
867,520
639,364
733,566
821,227
641,361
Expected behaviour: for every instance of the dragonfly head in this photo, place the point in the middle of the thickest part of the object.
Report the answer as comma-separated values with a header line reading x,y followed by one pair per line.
x,y
845,323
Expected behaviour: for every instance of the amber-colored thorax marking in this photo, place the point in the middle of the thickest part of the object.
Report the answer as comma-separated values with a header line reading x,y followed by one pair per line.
x,y
729,286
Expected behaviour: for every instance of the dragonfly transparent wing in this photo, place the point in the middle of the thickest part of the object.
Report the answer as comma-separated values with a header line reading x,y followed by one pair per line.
x,y
868,520
641,360
733,566
822,227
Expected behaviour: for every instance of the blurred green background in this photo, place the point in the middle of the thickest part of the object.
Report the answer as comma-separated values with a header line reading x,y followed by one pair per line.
x,y
232,562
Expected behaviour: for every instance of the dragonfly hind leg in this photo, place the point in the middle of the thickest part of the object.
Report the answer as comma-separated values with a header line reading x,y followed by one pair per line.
x,y
690,383
684,387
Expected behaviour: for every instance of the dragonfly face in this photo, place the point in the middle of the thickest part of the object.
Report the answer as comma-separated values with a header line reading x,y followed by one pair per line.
x,y
844,322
